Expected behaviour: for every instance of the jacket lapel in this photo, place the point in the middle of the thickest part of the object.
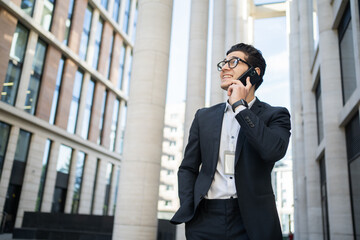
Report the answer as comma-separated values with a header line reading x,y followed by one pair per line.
x,y
256,109
217,122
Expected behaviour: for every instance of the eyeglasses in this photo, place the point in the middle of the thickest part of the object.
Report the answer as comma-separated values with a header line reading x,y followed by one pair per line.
x,y
232,63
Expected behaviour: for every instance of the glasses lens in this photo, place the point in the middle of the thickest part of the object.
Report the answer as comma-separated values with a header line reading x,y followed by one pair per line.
x,y
233,63
220,65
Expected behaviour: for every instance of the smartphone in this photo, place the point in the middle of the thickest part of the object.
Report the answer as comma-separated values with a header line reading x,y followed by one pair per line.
x,y
254,77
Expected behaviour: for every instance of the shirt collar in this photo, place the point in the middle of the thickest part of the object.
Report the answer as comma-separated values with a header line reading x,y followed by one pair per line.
x,y
228,106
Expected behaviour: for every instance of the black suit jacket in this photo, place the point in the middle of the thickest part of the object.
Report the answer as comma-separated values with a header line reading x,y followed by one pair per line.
x,y
263,139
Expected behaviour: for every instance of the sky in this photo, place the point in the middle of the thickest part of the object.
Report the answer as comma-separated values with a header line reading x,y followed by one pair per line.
x,y
275,89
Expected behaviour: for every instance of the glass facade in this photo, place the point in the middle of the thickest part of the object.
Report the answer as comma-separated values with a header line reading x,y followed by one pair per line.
x,y
315,24
114,124
127,89
88,109
121,66
101,122
57,91
319,113
75,101
107,74
68,22
116,189
109,173
47,12
116,10
127,16
35,79
97,45
122,126
45,161
85,33
324,201
347,55
4,137
135,23
27,6
94,185
105,4
13,74
80,163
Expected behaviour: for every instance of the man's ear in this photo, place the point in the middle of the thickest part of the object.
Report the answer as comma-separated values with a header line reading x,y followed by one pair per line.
x,y
258,70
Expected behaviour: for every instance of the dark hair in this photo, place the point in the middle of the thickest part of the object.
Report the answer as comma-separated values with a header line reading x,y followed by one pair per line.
x,y
253,56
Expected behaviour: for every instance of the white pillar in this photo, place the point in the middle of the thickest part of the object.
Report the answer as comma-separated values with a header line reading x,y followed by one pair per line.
x,y
218,51
196,77
298,154
312,171
230,26
338,192
136,208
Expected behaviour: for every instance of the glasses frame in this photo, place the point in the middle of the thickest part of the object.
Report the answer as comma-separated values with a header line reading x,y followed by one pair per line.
x,y
219,68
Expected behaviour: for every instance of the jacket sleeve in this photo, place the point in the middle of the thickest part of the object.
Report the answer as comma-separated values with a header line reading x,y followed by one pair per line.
x,y
271,139
189,168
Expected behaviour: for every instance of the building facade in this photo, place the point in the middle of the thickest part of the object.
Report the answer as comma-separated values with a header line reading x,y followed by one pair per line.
x,y
65,72
325,90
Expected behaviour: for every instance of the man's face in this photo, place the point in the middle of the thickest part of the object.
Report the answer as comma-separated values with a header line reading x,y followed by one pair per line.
x,y
228,74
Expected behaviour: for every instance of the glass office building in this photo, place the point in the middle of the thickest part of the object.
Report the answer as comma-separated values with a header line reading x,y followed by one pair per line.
x,y
65,71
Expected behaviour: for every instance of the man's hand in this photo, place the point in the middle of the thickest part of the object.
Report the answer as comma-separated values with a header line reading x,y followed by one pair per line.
x,y
237,90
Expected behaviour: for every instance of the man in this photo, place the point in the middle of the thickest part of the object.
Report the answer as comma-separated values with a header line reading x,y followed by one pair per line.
x,y
225,177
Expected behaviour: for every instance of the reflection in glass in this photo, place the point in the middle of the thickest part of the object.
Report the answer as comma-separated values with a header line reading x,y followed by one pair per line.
x,y
68,22
135,23
35,78
85,33
45,161
64,159
116,11
46,15
121,66
101,122
80,163
114,124
56,91
4,137
127,16
116,188
88,108
97,44
27,6
319,113
104,3
129,75
109,172
17,53
22,146
75,101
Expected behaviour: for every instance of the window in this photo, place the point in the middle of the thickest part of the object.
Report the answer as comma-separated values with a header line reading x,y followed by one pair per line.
x,y
28,6
17,53
352,131
101,122
85,33
121,66
68,22
94,186
129,75
127,16
324,203
107,74
315,24
74,107
57,91
109,173
80,163
45,161
88,109
122,125
319,113
347,55
114,124
4,139
135,23
116,188
35,78
64,160
47,13
116,11
97,45
104,3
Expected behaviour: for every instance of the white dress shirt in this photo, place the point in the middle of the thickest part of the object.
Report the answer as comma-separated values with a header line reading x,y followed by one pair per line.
x,y
223,185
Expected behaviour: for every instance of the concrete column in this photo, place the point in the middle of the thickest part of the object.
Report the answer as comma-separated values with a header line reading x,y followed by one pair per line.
x,y
108,119
230,25
196,77
112,190
218,51
87,184
49,187
136,211
312,171
71,181
100,189
298,152
32,175
94,25
338,192
242,16
96,111
8,163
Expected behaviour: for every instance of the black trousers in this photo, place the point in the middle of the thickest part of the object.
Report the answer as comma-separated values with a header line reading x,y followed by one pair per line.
x,y
216,219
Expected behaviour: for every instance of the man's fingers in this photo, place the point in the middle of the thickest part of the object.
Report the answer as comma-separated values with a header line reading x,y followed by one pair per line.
x,y
248,83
